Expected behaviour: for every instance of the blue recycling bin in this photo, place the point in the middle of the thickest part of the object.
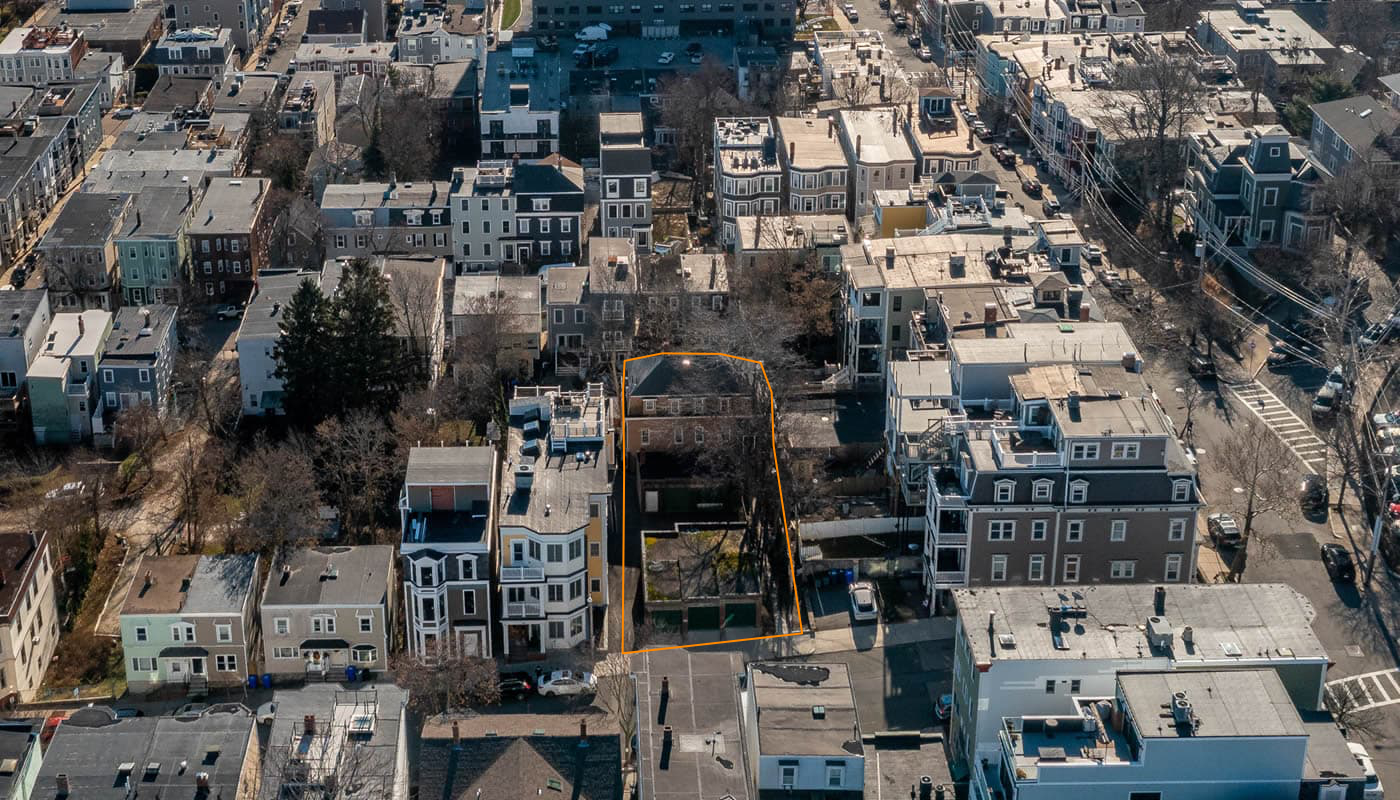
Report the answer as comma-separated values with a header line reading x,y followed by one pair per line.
x,y
252,681
267,680
850,576
350,673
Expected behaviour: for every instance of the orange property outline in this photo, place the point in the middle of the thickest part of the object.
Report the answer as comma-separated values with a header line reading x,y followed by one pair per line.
x,y
782,507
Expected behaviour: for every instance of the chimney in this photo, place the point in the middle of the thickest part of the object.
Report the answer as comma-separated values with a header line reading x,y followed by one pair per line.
x,y
989,314
583,729
889,258
201,780
991,622
138,219
939,792
858,140
146,317
830,127
61,782
82,327
894,122
665,686
456,734
308,724
1083,311
792,151
1044,48
1071,73
149,581
666,736
1159,601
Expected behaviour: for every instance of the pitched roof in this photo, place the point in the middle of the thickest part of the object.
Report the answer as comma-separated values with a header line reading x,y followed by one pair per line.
x,y
588,769
331,576
1359,120
686,375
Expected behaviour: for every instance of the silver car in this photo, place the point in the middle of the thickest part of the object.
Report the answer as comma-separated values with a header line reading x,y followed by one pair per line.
x,y
865,602
565,681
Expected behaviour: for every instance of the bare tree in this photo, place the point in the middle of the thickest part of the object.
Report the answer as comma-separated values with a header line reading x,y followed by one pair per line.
x,y
408,139
1263,471
445,680
194,470
296,237
277,488
213,392
358,460
140,432
692,101
487,356
1363,24
418,306
1348,708
854,89
617,694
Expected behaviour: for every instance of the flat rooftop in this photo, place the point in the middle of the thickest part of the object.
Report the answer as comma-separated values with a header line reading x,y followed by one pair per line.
x,y
1038,342
805,709
880,133
922,262
746,145
811,144
706,759
1233,702
1229,623
450,466
567,453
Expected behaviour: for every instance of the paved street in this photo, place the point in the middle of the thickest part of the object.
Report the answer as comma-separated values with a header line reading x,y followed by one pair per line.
x,y
1294,432
1371,690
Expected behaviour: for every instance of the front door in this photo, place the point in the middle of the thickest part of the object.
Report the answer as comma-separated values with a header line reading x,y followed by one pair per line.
x,y
197,666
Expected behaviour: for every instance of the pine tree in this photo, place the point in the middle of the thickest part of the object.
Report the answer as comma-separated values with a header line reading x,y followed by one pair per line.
x,y
303,356
370,365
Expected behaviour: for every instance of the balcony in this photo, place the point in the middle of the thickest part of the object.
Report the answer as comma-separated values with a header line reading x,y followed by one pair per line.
x,y
945,579
527,609
1024,450
941,539
522,574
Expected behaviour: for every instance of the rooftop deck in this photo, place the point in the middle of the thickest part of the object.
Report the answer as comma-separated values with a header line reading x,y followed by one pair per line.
x,y
1087,738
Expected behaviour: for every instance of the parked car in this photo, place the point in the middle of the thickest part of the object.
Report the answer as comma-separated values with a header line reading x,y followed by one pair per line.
x,y
1032,187
1007,159
666,57
865,602
697,59
1388,419
982,131
606,55
1387,437
128,712
1338,563
565,681
1050,205
191,710
228,312
915,42
694,47
69,489
1373,789
1338,379
1313,494
1377,333
944,707
1201,366
1325,402
517,685
925,54
850,12
19,276
1223,530
1280,356
582,50
1093,254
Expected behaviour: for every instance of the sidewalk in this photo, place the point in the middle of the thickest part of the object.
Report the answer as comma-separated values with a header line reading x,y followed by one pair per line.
x,y
841,640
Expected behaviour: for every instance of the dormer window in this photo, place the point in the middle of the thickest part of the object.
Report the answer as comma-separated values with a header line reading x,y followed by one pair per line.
x,y
1005,490
1043,488
1181,491
1079,492
1125,451
1084,451
364,219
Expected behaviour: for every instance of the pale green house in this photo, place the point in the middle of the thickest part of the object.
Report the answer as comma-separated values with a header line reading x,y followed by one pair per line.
x,y
63,400
151,247
190,622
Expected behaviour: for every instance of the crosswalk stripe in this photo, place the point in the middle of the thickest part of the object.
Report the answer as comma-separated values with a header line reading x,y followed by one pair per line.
x,y
1290,429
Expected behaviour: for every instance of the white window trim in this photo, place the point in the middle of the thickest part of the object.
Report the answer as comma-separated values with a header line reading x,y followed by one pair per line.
x,y
1118,530
1005,491
1079,491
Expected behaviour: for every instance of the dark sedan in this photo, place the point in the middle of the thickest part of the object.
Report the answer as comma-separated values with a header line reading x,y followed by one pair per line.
x,y
1338,563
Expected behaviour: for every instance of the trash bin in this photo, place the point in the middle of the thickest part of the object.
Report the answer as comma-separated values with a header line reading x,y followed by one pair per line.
x,y
350,673
252,681
267,680
850,576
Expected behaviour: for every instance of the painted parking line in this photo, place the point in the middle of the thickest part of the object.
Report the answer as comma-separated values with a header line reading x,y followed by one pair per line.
x,y
1296,434
1369,690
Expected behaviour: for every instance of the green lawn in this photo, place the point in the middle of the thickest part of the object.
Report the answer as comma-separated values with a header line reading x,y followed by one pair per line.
x,y
510,12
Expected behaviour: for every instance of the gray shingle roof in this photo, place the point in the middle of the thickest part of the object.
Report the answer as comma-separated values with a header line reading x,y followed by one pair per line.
x,y
1359,132
305,578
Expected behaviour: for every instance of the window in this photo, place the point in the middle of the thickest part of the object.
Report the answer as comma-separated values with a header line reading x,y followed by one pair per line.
x,y
284,652
594,549
1270,196
1074,530
595,586
226,663
1050,686
223,633
612,188
182,632
1075,685
1042,490
282,625
1035,569
1071,574
555,592
998,568
1084,451
143,665
556,630
1122,570
699,436
566,225
679,436
1038,527
576,589
1125,451
835,776
366,624
323,624
364,654
544,228
554,553
646,437
1001,530
639,187
1004,491
1079,492
141,635
575,549
1118,530
1176,530
1181,491
787,775
107,376
1172,571
469,602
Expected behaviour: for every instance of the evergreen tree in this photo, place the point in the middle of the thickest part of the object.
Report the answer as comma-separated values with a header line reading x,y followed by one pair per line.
x,y
303,354
370,365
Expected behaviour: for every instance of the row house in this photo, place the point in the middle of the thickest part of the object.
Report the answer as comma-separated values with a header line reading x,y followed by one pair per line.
x,y
816,173
138,361
878,153
1025,655
246,21
549,206
958,24
79,253
308,109
38,55
767,20
1080,480
676,405
748,175
1357,133
197,52
328,608
28,612
940,139
152,247
434,36
260,330
1273,42
483,213
792,238
503,309
376,12
1253,188
858,69
554,518
64,404
518,118
190,622
228,239
335,26
29,315
367,219
591,311
448,521
624,160
374,58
